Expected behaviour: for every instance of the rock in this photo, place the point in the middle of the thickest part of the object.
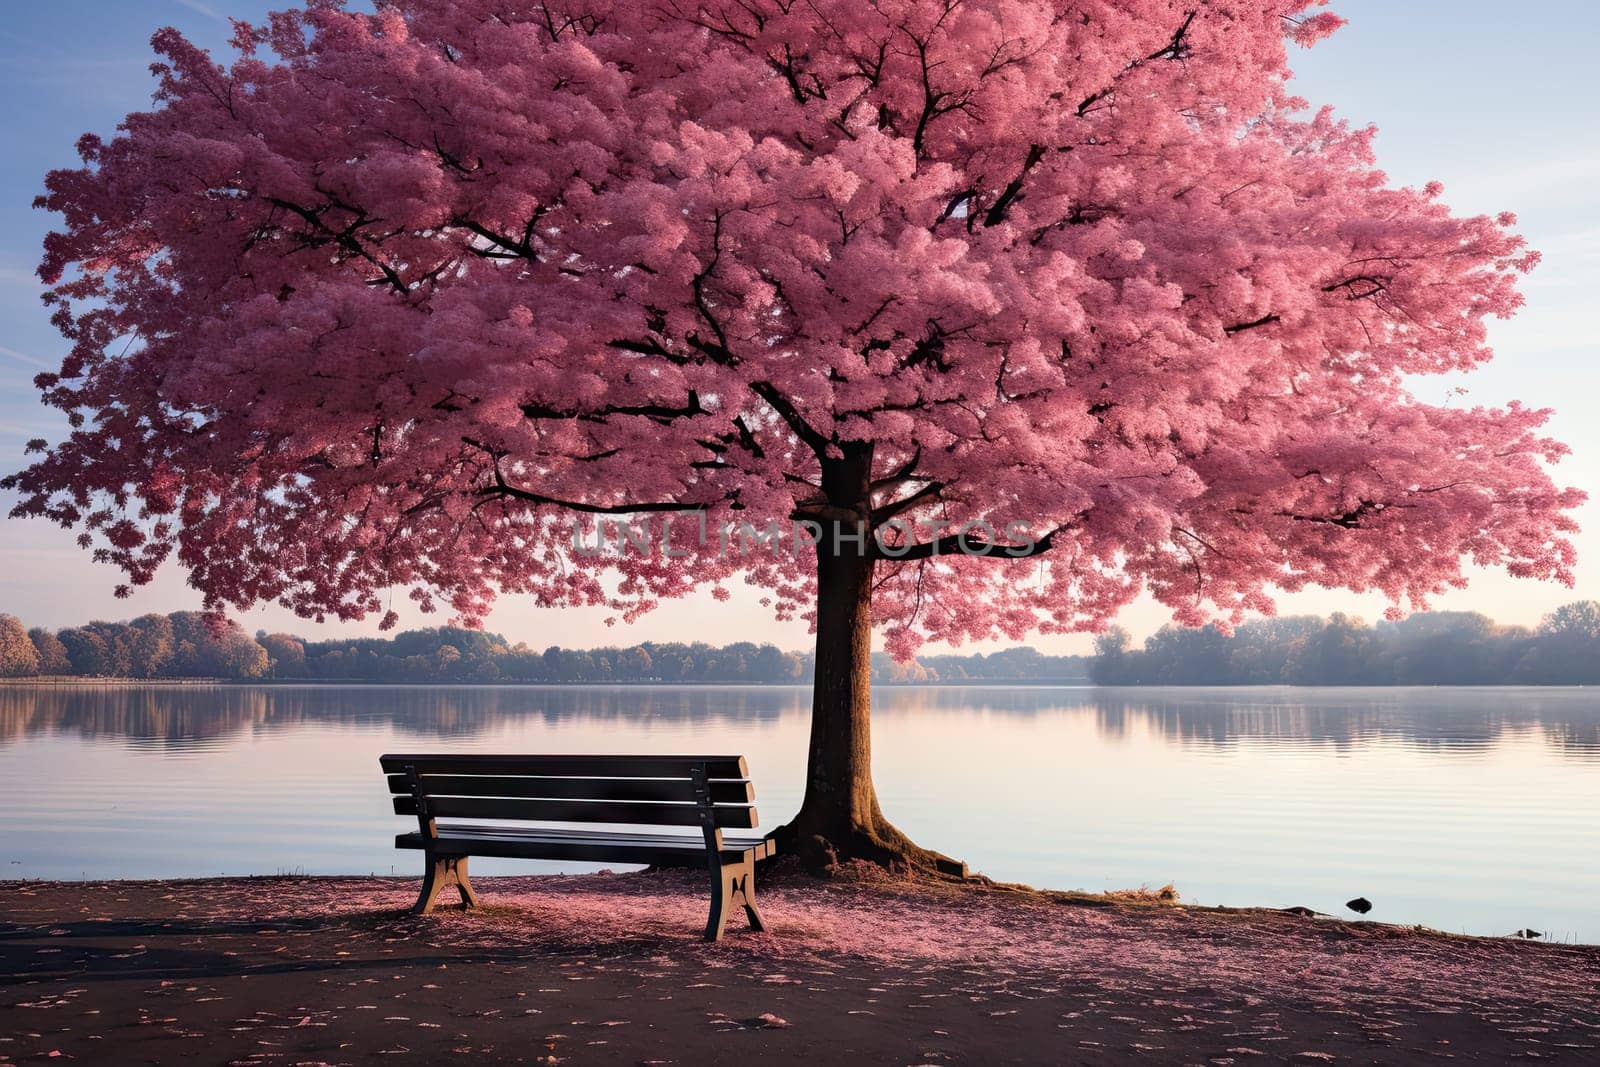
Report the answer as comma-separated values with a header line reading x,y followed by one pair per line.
x,y
1528,934
1360,905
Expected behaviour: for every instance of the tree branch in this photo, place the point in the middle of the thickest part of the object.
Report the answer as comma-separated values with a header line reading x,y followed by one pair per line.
x,y
500,488
791,415
896,507
997,211
964,545
1349,520
1241,327
902,473
1176,48
345,239
661,413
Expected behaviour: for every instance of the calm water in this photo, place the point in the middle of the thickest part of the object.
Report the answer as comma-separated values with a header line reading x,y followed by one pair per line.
x,y
1468,810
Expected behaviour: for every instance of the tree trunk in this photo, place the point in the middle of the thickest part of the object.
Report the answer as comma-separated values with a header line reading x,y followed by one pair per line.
x,y
839,818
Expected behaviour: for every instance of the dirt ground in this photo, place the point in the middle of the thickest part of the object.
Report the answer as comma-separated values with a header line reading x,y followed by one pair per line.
x,y
862,969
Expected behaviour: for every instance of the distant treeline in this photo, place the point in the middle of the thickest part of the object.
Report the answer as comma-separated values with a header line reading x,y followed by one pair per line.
x,y
1439,648
189,645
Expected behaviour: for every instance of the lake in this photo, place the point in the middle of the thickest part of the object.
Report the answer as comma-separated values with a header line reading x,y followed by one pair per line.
x,y
1464,809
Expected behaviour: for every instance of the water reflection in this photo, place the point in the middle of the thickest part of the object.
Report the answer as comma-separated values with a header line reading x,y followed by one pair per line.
x,y
1567,721
184,714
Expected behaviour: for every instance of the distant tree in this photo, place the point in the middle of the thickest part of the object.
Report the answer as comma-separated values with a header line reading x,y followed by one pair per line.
x,y
1185,655
447,662
894,671
151,646
1565,648
242,658
1444,648
286,654
1340,653
18,656
557,664
521,664
87,652
52,653
119,641
636,663
678,667
1112,653
330,665
1261,648
1511,648
769,664
1578,621
208,647
1441,648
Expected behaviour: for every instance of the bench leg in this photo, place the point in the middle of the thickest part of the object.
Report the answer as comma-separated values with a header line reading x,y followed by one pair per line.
x,y
732,884
444,871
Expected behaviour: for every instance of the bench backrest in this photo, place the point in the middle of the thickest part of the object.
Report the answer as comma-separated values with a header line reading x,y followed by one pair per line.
x,y
711,792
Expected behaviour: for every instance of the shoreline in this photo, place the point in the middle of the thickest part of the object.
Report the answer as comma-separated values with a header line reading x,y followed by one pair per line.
x,y
863,966
65,681
339,683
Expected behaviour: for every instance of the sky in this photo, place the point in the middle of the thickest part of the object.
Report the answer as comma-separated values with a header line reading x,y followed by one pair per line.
x,y
1494,100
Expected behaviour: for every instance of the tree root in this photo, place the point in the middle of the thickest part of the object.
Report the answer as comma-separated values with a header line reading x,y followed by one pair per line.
x,y
821,849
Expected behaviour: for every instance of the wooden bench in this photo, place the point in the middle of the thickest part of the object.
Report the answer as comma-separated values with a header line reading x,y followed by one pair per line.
x,y
638,792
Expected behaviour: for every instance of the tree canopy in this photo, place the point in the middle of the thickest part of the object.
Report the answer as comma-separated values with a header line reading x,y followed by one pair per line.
x,y
384,301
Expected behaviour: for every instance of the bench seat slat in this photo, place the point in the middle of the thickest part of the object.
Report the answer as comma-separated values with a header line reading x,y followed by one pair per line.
x,y
726,815
692,841
569,766
517,843
493,785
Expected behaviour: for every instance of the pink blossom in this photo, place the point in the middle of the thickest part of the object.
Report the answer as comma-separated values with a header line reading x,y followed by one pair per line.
x,y
380,302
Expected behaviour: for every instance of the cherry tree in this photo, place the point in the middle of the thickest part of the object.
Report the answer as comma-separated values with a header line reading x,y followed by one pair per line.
x,y
1017,307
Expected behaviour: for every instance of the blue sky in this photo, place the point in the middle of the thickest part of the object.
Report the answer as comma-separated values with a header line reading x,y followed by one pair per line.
x,y
1494,100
